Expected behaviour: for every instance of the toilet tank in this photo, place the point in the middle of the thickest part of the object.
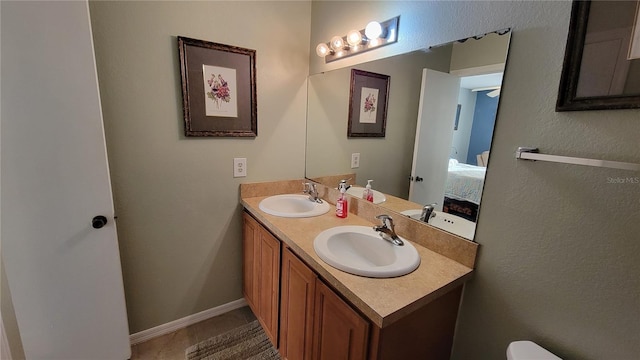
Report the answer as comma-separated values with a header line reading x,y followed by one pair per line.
x,y
528,350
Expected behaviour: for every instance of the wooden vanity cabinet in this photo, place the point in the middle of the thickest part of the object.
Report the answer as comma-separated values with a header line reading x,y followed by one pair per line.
x,y
338,331
307,320
261,274
315,323
426,333
296,308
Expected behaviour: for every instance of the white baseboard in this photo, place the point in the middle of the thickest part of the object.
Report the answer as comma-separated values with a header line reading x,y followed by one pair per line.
x,y
185,321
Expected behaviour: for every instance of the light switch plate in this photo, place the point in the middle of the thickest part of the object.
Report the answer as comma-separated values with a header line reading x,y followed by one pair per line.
x,y
355,160
239,167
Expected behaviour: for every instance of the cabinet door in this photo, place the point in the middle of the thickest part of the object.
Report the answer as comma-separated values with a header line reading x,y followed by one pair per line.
x,y
296,310
261,274
250,237
269,285
339,331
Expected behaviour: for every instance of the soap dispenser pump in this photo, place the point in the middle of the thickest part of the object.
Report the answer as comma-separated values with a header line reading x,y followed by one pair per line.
x,y
342,205
367,194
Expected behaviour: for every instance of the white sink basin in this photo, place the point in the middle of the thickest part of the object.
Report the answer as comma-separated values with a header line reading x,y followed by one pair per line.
x,y
447,222
360,250
378,197
293,205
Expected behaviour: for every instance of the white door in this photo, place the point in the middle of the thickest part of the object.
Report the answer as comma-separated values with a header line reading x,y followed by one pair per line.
x,y
434,134
64,275
604,66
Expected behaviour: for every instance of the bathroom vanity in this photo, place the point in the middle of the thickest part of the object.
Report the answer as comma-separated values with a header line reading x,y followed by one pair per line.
x,y
311,310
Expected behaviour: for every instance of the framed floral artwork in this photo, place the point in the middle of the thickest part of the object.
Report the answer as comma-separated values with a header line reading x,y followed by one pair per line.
x,y
368,99
218,89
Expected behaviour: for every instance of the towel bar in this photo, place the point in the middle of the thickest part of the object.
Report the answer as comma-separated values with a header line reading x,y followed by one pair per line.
x,y
530,153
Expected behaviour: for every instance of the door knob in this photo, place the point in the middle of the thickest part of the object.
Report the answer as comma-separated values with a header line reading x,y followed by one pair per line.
x,y
419,179
98,221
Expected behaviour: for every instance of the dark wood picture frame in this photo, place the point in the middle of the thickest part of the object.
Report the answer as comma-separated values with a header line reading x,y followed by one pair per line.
x,y
372,89
567,98
224,102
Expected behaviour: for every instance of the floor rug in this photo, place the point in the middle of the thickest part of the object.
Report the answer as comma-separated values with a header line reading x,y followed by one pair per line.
x,y
248,342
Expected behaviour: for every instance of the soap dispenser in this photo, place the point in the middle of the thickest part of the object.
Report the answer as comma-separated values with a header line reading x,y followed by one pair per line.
x,y
342,206
367,194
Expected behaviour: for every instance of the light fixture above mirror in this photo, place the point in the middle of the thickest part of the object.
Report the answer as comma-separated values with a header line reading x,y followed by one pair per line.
x,y
373,36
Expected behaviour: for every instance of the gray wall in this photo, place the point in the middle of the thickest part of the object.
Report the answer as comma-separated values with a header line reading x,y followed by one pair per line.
x,y
560,254
489,51
179,218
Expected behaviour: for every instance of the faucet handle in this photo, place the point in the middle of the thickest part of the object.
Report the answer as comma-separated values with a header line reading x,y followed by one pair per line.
x,y
311,189
386,220
428,212
387,231
343,185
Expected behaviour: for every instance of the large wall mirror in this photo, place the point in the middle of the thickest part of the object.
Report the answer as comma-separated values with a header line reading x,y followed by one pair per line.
x,y
441,112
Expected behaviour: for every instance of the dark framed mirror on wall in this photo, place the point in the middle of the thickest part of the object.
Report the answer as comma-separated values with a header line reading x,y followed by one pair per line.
x,y
601,67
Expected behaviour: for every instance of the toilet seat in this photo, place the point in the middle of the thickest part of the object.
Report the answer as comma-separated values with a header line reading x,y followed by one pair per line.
x,y
528,350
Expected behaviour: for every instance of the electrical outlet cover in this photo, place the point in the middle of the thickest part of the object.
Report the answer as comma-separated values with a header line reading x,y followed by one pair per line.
x,y
355,160
239,167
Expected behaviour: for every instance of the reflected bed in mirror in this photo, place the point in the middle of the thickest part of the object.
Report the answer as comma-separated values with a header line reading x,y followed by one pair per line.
x,y
442,108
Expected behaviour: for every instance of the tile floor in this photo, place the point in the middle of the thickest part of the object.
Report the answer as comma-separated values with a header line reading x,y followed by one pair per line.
x,y
172,346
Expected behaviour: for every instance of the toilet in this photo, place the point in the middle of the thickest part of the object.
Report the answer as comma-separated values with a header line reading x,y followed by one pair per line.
x,y
528,350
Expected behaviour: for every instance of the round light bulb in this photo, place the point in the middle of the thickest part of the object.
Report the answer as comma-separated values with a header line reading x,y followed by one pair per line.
x,y
373,30
322,50
354,38
337,43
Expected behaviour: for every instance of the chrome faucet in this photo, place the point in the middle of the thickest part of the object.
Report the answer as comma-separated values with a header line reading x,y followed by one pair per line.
x,y
387,231
427,212
310,188
343,184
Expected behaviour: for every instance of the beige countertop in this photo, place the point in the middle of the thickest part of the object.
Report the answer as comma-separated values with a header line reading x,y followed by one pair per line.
x,y
383,301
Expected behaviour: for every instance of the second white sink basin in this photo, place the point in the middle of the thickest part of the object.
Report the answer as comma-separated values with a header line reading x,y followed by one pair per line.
x,y
293,205
447,222
360,250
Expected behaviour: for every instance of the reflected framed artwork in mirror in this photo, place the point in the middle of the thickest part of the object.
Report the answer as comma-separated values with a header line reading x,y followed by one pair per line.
x,y
368,98
601,67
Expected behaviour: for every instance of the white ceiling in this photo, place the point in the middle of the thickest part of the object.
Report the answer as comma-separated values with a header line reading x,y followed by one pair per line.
x,y
481,81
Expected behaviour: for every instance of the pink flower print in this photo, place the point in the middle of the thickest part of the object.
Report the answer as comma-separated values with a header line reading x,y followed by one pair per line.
x,y
219,90
369,104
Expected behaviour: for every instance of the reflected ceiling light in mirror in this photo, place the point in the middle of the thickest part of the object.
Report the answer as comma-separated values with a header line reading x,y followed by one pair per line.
x,y
373,36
